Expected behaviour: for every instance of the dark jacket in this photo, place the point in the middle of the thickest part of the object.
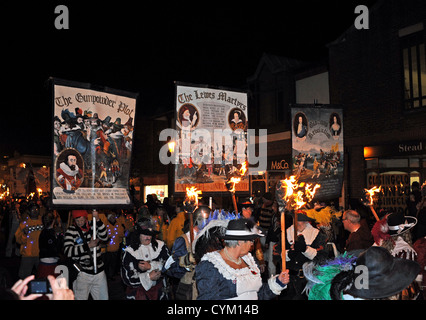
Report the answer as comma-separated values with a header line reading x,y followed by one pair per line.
x,y
360,239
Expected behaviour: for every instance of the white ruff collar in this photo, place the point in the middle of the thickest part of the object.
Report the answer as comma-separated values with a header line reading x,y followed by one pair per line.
x,y
227,271
67,170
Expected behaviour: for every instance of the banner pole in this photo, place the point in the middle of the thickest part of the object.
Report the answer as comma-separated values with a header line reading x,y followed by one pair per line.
x,y
95,267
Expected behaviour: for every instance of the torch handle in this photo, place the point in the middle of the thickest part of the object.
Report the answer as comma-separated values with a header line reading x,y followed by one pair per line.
x,y
295,226
234,201
283,263
374,213
191,230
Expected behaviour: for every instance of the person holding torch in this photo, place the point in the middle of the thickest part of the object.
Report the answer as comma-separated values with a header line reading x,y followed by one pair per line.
x,y
303,242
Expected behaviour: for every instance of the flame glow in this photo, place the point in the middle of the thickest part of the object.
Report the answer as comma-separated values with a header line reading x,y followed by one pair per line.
x,y
192,194
298,194
370,193
233,181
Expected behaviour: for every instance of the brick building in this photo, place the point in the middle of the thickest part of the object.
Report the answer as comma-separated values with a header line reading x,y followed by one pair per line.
x,y
379,76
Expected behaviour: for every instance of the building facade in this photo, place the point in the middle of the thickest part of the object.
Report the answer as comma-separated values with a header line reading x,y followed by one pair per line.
x,y
378,75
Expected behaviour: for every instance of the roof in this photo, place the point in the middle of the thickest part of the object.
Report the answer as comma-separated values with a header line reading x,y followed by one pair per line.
x,y
277,64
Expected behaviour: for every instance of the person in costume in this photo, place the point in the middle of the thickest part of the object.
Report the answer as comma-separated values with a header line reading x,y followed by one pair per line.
x,y
393,232
246,207
328,221
308,245
27,236
78,246
346,277
142,263
176,226
231,273
116,232
182,258
420,247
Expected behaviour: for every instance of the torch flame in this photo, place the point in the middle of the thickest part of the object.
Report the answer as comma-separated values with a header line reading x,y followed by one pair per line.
x,y
243,169
298,198
192,194
370,193
310,193
233,181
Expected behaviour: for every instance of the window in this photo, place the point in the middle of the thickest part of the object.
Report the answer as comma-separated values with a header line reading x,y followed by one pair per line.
x,y
414,63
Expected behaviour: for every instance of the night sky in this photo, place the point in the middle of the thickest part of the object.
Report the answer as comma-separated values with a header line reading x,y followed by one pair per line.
x,y
144,48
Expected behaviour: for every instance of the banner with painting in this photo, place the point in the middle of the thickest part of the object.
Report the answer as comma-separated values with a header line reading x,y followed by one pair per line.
x,y
211,128
317,148
92,145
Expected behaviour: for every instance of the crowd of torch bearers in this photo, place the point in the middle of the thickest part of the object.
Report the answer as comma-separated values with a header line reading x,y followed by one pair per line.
x,y
291,197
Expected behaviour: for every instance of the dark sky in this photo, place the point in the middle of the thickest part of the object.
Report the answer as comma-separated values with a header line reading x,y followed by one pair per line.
x,y
139,47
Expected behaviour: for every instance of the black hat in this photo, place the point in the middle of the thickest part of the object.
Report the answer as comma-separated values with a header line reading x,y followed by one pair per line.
x,y
302,216
387,275
242,229
399,224
144,226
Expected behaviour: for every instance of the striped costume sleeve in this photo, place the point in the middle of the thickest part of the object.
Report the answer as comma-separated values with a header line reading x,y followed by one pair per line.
x,y
101,230
71,248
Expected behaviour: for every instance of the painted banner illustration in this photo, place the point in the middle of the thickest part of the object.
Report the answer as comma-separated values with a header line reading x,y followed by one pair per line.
x,y
92,145
211,126
317,148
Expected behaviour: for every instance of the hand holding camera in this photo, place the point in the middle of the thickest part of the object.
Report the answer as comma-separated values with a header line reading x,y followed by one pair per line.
x,y
53,288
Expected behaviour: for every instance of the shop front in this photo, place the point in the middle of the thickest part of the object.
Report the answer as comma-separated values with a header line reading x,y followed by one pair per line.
x,y
394,168
278,168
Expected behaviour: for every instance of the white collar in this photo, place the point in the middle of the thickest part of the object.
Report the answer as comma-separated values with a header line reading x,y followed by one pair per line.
x,y
67,170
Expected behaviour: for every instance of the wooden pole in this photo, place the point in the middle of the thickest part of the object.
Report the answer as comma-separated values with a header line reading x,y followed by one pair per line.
x,y
295,226
374,213
283,262
234,201
95,267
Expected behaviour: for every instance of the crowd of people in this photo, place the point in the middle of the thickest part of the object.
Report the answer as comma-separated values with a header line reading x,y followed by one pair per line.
x,y
163,251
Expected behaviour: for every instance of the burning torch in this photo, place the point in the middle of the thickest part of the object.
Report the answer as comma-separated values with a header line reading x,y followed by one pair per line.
x,y
369,199
190,204
233,181
293,196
